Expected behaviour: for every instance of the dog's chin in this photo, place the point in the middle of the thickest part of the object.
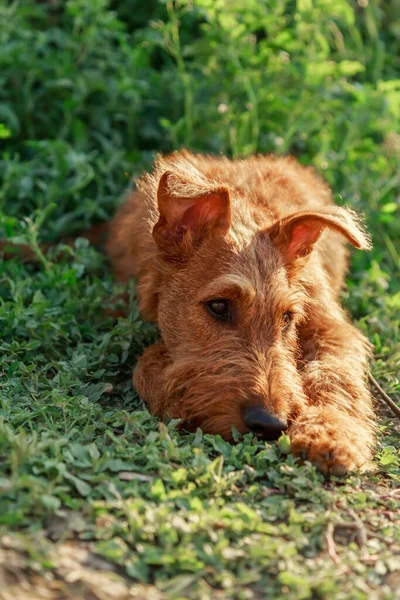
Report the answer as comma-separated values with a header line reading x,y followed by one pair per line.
x,y
220,425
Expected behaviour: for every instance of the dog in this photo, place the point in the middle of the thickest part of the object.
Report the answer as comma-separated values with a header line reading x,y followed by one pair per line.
x,y
240,263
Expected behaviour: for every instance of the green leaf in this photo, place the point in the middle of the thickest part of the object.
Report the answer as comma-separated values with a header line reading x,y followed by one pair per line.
x,y
82,487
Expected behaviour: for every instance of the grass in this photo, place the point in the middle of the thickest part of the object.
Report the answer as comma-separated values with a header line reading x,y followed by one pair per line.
x,y
97,498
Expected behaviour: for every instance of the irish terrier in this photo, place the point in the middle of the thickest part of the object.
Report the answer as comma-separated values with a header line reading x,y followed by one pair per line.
x,y
240,264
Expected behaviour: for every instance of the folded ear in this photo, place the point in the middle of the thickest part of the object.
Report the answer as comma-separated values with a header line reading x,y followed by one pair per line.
x,y
296,234
188,213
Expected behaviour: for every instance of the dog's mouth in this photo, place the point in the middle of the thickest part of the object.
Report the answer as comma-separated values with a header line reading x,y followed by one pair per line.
x,y
256,420
190,425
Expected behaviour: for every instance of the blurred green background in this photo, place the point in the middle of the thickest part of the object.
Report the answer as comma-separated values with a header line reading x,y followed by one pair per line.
x,y
91,89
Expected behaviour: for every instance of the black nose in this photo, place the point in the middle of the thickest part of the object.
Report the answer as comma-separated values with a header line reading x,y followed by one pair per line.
x,y
262,424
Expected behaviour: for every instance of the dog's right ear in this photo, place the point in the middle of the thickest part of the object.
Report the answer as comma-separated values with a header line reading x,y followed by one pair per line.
x,y
188,214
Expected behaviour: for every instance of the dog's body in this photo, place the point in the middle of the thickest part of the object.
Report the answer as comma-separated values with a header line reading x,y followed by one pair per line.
x,y
231,266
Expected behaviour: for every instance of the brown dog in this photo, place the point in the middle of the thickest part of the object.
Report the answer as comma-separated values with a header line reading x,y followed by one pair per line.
x,y
240,263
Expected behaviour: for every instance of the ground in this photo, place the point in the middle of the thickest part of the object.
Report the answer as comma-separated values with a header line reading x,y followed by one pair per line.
x,y
99,500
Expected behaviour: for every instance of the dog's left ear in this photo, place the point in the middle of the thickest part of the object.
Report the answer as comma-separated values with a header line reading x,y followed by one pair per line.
x,y
296,234
189,213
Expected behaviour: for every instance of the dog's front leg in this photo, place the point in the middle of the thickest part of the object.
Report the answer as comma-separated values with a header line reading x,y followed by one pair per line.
x,y
336,430
149,379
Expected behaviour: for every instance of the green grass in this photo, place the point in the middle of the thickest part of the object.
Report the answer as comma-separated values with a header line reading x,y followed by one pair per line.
x,y
89,92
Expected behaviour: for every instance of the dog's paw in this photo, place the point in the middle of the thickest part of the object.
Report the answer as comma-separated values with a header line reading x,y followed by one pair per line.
x,y
333,441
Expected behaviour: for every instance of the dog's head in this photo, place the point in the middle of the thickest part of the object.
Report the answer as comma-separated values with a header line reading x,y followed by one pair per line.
x,y
230,303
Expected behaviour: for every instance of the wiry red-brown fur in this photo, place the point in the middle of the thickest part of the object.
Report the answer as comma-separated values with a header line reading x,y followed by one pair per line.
x,y
249,231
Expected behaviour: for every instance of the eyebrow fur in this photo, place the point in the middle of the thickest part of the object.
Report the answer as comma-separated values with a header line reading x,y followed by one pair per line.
x,y
230,281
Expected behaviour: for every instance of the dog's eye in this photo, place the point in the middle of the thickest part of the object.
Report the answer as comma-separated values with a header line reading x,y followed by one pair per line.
x,y
219,309
287,318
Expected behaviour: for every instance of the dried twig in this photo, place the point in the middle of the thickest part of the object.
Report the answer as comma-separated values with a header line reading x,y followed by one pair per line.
x,y
357,528
330,543
383,395
361,537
